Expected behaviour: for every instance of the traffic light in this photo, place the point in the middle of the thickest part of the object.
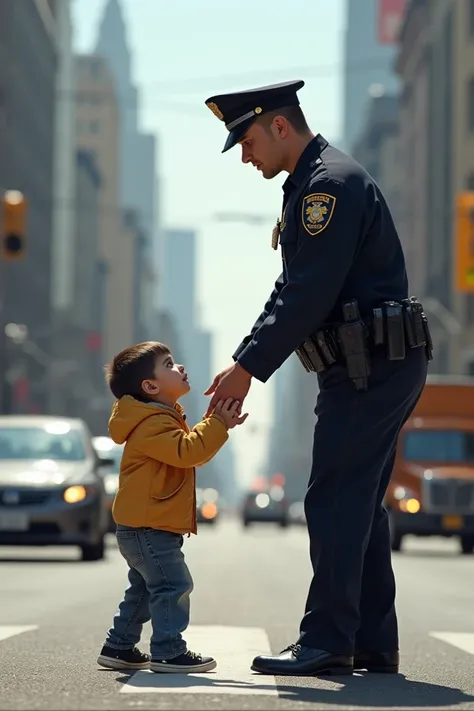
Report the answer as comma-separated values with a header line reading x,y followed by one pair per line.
x,y
14,213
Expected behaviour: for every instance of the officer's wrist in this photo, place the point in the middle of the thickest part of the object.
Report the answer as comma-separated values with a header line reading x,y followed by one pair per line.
x,y
244,373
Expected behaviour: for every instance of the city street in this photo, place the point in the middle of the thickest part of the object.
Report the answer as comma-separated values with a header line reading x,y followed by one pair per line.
x,y
250,587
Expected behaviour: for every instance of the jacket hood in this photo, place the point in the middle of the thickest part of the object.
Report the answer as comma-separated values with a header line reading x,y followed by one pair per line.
x,y
128,413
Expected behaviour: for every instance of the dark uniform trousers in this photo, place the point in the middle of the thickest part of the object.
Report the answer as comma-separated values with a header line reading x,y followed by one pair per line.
x,y
351,601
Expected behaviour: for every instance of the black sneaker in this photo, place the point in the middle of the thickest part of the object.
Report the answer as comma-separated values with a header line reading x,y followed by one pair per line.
x,y
111,658
186,663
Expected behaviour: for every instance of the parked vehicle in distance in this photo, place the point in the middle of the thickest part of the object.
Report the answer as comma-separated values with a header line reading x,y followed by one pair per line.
x,y
296,514
110,455
431,492
207,505
266,506
51,490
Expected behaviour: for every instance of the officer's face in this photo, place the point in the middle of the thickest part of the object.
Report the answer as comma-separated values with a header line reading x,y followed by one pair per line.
x,y
262,150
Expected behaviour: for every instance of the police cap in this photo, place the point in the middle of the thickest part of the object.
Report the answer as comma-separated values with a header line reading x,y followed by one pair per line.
x,y
240,109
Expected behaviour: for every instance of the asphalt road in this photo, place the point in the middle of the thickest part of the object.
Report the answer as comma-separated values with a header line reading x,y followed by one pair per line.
x,y
250,588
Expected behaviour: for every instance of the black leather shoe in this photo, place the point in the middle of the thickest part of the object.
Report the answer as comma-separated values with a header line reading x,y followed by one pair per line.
x,y
297,660
377,662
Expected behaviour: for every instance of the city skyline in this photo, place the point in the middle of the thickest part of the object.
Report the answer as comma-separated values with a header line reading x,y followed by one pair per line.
x,y
191,143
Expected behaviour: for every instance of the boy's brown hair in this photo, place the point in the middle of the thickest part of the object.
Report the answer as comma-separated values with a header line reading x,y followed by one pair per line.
x,y
124,375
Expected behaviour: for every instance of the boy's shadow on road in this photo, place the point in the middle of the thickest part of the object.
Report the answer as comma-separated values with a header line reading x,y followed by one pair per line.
x,y
363,690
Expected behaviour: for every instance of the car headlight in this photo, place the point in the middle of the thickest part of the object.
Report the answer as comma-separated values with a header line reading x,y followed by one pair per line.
x,y
74,494
262,501
407,500
209,511
111,484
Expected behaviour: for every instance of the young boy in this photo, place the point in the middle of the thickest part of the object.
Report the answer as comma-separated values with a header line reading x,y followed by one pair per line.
x,y
155,505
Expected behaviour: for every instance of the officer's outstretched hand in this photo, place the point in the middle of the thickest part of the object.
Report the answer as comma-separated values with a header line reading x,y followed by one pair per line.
x,y
232,382
212,387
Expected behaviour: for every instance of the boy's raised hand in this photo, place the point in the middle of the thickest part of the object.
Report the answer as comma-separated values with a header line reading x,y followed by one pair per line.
x,y
229,411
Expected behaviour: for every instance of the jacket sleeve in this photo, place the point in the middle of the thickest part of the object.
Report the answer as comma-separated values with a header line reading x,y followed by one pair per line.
x,y
328,234
162,439
268,308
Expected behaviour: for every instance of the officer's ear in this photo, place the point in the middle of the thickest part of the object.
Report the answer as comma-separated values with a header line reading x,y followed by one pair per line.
x,y
281,126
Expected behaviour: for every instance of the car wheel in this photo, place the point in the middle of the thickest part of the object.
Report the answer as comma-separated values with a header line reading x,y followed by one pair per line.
x,y
245,523
95,551
283,523
467,544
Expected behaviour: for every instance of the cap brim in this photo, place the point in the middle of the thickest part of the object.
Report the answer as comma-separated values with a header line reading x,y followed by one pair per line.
x,y
237,134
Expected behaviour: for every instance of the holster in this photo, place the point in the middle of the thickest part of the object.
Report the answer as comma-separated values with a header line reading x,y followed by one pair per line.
x,y
353,341
318,352
399,325
395,330
394,326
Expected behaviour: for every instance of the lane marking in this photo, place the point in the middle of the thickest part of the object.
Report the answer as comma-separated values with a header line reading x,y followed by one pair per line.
x,y
461,640
7,631
233,648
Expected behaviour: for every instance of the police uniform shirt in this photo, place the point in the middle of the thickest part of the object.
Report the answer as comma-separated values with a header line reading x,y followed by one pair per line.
x,y
338,243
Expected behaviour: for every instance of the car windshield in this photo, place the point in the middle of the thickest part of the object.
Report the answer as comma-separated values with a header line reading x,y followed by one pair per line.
x,y
40,443
441,446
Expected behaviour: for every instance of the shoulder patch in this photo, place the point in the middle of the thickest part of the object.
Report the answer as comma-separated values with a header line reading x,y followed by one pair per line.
x,y
317,211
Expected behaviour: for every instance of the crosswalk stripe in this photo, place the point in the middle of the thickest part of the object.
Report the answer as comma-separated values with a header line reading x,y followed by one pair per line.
x,y
461,640
7,631
233,648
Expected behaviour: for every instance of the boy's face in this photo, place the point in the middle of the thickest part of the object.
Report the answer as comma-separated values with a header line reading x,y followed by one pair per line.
x,y
170,381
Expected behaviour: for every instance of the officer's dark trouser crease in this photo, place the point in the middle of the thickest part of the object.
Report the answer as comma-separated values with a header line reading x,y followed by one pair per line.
x,y
353,587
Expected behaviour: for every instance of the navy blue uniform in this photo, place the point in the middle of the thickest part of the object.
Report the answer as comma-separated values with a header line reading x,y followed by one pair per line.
x,y
350,251
338,243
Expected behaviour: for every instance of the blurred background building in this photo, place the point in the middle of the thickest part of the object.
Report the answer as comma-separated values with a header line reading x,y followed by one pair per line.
x,y
101,269
87,285
28,75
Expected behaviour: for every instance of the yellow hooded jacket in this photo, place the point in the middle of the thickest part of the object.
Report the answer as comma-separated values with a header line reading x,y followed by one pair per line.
x,y
157,483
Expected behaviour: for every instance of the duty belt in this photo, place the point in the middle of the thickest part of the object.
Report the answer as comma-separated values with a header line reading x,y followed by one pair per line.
x,y
393,326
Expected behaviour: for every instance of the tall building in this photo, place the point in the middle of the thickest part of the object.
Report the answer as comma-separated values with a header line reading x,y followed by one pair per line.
x,y
179,300
137,184
377,148
437,141
28,63
64,164
369,54
178,282
88,305
413,66
139,293
79,389
97,131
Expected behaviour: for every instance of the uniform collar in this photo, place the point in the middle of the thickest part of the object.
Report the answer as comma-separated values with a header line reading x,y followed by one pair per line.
x,y
312,151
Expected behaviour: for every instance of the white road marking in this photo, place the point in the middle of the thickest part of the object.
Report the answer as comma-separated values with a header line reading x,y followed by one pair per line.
x,y
461,640
7,631
233,648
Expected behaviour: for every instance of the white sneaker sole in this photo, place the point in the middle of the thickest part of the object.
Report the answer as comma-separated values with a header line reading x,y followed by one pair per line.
x,y
111,663
170,668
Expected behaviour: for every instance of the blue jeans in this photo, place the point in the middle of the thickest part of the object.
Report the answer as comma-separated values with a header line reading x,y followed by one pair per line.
x,y
159,588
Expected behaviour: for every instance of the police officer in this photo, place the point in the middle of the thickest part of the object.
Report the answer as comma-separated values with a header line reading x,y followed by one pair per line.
x,y
341,303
